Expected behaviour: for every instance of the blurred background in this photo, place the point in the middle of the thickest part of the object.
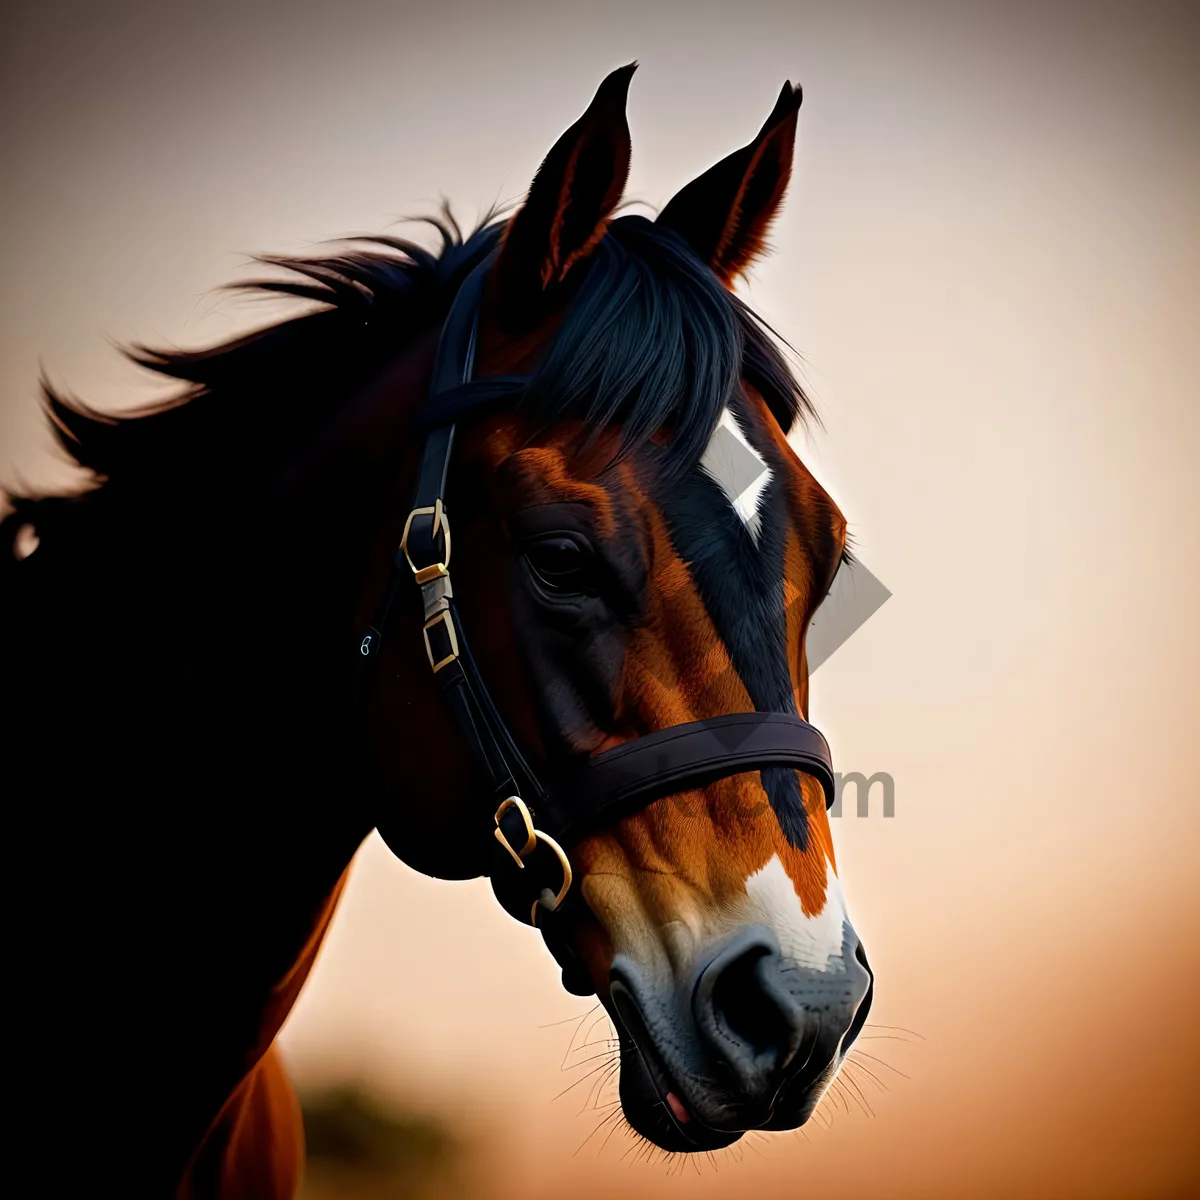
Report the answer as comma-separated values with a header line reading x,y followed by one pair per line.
x,y
990,265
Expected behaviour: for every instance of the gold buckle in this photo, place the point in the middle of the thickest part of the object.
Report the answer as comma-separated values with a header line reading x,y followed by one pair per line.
x,y
444,618
551,906
425,574
440,521
532,838
530,833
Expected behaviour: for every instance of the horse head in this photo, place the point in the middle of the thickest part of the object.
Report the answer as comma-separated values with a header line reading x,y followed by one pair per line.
x,y
636,549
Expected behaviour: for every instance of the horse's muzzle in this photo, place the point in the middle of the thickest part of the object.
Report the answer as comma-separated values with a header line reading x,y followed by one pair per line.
x,y
751,1042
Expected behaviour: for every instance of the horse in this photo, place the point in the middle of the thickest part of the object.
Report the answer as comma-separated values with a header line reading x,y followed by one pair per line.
x,y
208,712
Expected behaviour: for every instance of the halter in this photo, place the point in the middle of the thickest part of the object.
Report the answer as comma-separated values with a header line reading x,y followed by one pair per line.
x,y
531,821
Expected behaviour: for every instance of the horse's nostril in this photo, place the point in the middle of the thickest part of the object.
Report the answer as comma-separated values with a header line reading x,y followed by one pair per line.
x,y
745,1014
747,1009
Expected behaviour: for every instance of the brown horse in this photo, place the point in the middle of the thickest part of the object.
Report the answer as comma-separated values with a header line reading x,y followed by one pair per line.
x,y
194,757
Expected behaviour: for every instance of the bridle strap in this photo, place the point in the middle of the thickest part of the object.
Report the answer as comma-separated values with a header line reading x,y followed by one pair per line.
x,y
424,553
530,824
470,398
681,757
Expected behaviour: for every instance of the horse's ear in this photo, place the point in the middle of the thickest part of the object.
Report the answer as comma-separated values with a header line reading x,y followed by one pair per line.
x,y
575,189
724,213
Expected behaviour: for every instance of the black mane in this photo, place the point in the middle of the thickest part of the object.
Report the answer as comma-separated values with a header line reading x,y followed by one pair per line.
x,y
652,340
266,390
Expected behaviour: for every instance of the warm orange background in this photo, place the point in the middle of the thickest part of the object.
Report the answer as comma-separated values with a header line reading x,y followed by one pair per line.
x,y
990,264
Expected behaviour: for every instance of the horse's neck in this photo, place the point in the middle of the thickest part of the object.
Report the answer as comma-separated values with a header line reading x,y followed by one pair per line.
x,y
272,661
192,819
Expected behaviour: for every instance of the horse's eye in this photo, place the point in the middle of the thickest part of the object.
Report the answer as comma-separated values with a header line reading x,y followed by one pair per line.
x,y
561,564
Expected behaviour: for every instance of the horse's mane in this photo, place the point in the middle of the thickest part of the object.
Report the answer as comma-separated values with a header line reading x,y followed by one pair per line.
x,y
248,404
651,340
654,341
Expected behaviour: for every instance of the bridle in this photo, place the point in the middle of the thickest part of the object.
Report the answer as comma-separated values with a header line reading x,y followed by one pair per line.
x,y
532,822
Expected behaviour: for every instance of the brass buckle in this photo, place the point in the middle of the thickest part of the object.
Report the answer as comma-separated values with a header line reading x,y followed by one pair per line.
x,y
552,904
445,619
440,521
530,833
532,838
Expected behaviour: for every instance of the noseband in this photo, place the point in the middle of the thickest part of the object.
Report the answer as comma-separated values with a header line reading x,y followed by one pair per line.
x,y
532,821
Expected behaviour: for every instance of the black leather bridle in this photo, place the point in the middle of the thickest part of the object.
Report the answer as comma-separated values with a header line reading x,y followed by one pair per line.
x,y
533,824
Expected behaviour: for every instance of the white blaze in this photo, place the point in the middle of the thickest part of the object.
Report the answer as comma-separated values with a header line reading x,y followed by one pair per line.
x,y
738,469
